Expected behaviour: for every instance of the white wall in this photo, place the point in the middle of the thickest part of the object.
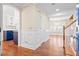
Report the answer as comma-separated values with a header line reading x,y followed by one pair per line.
x,y
34,23
10,18
56,26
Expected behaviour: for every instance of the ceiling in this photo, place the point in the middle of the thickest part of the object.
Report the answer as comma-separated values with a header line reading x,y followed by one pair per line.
x,y
65,9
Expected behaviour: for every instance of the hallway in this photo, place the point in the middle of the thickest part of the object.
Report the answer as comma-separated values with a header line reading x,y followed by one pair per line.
x,y
38,30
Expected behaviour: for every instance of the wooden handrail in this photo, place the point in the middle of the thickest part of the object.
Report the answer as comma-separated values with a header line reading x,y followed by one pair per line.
x,y
64,33
70,24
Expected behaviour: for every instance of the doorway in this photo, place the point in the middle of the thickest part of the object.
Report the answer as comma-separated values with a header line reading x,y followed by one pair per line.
x,y
11,18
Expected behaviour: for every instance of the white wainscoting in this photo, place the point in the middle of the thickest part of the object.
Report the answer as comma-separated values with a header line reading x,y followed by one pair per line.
x,y
33,39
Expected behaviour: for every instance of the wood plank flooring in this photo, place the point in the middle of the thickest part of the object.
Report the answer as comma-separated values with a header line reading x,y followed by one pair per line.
x,y
52,47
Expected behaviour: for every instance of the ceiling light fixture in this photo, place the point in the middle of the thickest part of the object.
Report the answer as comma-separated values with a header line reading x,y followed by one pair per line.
x,y
58,18
58,14
57,10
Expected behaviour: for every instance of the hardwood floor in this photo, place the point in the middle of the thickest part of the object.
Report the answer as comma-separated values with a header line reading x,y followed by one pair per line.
x,y
52,47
